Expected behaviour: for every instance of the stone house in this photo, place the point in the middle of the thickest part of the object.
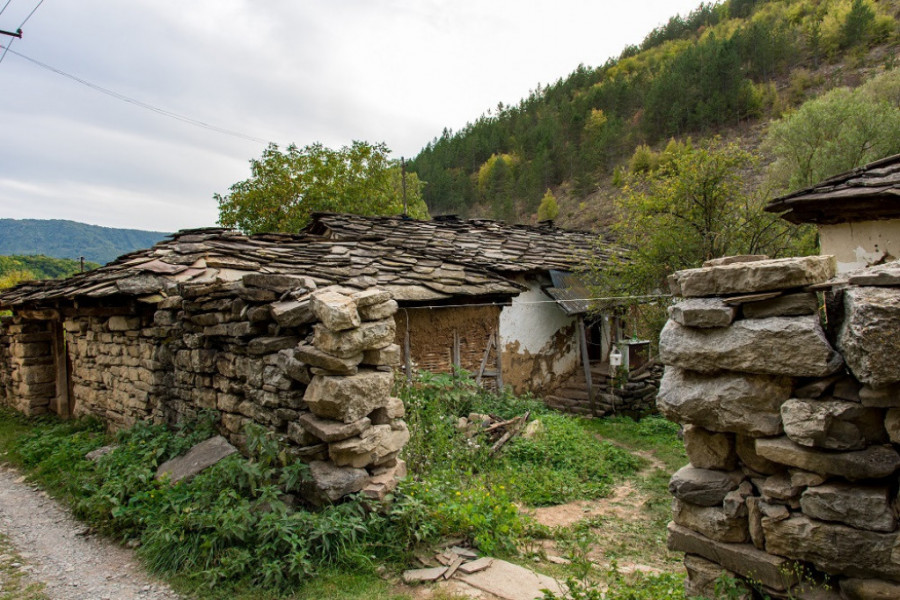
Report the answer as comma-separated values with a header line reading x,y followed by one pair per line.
x,y
857,213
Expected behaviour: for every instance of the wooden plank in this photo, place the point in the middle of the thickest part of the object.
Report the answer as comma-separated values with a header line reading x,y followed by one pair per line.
x,y
455,356
487,354
62,371
586,364
499,364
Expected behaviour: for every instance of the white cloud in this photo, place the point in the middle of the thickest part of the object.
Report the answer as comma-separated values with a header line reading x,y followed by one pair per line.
x,y
396,71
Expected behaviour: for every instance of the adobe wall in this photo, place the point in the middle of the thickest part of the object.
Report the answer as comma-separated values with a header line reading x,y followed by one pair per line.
x,y
431,336
315,366
792,433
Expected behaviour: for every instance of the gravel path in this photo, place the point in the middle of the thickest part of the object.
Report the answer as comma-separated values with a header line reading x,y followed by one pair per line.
x,y
72,565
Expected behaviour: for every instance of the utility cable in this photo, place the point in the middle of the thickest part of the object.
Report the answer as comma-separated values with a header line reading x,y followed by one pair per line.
x,y
6,49
136,102
4,6
30,14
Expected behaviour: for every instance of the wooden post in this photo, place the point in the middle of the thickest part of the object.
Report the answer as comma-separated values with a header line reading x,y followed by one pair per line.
x,y
484,360
62,371
499,364
586,363
454,357
406,348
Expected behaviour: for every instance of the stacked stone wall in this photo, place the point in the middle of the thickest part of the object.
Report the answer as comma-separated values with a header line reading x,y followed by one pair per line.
x,y
27,371
792,482
314,366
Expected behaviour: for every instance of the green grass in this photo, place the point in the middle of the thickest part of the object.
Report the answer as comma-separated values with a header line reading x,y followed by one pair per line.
x,y
227,532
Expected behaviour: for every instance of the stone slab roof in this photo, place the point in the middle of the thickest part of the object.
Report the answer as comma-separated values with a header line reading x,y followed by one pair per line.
x,y
476,242
866,193
203,256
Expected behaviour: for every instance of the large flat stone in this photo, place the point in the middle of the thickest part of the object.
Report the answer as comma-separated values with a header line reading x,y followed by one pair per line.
x,y
789,305
874,462
832,424
349,398
868,335
758,276
746,450
312,356
200,457
329,430
331,482
292,313
745,560
711,521
371,335
793,346
703,487
726,402
886,274
833,548
701,578
511,582
869,589
702,312
372,447
862,507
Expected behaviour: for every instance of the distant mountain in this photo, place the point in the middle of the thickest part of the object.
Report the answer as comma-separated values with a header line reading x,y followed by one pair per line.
x,y
70,239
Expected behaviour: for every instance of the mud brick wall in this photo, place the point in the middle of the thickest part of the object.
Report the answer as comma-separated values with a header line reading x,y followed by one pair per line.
x,y
791,434
27,371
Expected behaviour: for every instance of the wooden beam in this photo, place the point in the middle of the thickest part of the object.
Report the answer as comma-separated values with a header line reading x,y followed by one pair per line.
x,y
484,360
454,357
62,371
586,363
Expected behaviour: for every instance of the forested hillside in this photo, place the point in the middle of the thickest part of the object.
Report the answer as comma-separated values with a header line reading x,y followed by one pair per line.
x,y
725,67
69,239
39,267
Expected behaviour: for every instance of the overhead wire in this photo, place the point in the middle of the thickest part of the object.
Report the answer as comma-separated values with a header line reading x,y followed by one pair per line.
x,y
136,102
34,10
4,6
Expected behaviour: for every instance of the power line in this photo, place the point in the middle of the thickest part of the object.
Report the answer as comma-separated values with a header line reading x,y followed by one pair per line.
x,y
29,14
134,101
6,49
4,6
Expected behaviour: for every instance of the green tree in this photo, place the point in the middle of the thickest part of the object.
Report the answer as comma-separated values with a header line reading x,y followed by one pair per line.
x,y
549,209
835,132
285,188
694,207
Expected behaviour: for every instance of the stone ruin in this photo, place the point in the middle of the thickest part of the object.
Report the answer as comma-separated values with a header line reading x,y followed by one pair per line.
x,y
314,366
790,428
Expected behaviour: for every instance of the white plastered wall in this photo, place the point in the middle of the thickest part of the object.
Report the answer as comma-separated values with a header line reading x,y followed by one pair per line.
x,y
857,245
538,339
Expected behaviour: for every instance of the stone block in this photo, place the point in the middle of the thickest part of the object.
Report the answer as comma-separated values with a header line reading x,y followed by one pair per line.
x,y
758,276
869,589
832,424
817,387
868,334
724,402
743,559
701,578
371,335
702,312
203,455
370,297
374,446
292,313
384,481
390,356
779,487
792,346
331,482
862,507
711,521
270,345
293,367
279,283
789,305
122,323
336,311
334,364
703,487
329,430
746,450
351,398
391,412
874,462
709,450
887,274
833,548
880,397
376,312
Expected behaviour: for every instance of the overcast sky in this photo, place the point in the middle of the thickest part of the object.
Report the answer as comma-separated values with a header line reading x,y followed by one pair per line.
x,y
393,71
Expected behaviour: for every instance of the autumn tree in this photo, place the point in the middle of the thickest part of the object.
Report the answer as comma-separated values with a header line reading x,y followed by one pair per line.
x,y
695,206
836,132
286,187
549,209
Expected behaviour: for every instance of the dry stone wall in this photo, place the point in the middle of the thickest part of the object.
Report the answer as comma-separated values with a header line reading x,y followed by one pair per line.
x,y
792,482
27,371
315,366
